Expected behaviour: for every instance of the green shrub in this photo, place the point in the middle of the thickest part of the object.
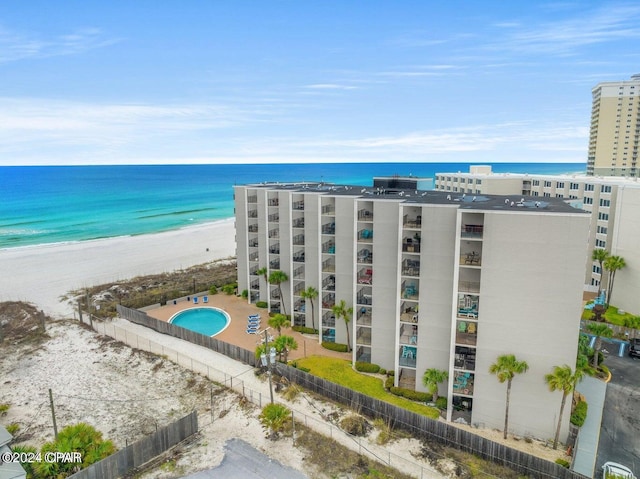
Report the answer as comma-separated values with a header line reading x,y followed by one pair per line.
x,y
261,304
367,367
563,462
13,428
304,330
382,371
411,394
245,293
391,372
441,403
388,383
355,425
579,414
341,348
230,288
213,289
4,407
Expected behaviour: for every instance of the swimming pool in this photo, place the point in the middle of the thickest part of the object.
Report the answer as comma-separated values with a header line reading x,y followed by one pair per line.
x,y
208,321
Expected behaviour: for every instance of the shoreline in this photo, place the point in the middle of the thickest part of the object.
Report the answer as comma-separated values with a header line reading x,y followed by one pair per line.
x,y
41,274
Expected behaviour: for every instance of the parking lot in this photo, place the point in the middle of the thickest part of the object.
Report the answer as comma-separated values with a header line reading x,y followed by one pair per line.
x,y
620,429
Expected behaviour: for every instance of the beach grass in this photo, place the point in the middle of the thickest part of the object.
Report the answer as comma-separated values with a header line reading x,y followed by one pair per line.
x,y
339,371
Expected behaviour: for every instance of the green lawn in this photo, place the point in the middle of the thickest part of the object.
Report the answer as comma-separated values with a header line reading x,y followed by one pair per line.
x,y
339,371
611,316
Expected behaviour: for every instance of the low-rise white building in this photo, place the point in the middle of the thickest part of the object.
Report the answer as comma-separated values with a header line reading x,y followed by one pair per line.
x,y
436,280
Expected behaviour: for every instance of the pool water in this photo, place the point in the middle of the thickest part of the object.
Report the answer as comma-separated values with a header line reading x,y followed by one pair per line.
x,y
207,321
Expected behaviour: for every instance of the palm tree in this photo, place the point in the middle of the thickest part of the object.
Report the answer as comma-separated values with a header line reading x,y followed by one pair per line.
x,y
584,351
505,368
275,419
283,345
278,277
311,294
431,379
340,310
263,272
279,321
612,264
600,255
599,330
565,380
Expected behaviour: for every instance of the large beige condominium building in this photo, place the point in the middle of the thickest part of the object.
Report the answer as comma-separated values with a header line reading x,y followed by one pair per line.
x,y
435,280
612,202
615,129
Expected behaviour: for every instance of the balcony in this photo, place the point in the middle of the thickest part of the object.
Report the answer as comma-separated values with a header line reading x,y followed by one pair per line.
x,y
408,356
365,256
409,312
329,265
273,218
298,288
328,301
275,293
409,334
365,276
253,228
253,271
365,236
328,320
299,306
297,205
253,243
254,256
329,209
463,383
468,306
410,246
364,298
409,222
329,283
472,258
274,249
252,199
469,286
255,284
298,223
329,247
252,213
472,231
274,233
466,333
298,257
465,358
298,272
329,229
411,267
363,317
363,354
410,291
365,215
274,202
274,264
298,240
363,336
329,335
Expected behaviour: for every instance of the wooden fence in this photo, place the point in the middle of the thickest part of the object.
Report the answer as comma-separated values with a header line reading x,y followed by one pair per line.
x,y
416,424
229,350
142,451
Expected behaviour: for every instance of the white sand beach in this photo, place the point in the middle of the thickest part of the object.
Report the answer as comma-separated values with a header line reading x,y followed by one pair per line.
x,y
42,274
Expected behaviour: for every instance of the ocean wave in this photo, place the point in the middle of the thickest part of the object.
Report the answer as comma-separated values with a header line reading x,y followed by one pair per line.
x,y
176,213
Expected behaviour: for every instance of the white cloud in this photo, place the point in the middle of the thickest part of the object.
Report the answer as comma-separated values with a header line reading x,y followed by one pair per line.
x,y
330,86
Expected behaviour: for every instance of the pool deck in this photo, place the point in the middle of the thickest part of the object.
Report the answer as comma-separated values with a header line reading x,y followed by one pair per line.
x,y
236,333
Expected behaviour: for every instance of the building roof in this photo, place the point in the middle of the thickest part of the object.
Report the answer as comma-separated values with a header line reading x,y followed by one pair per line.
x,y
461,200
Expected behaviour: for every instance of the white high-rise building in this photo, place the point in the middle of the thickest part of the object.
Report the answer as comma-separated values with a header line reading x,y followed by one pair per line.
x,y
615,129
436,280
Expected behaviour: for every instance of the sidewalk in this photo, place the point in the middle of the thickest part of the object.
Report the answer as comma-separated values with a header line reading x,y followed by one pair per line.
x,y
241,378
594,391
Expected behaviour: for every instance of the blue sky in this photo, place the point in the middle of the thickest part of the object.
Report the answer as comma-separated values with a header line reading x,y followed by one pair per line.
x,y
89,82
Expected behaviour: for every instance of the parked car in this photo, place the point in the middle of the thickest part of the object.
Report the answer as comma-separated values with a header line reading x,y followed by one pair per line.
x,y
634,348
613,470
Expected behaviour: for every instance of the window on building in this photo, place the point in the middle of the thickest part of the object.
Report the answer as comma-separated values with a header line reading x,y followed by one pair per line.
x,y
596,269
602,230
536,182
588,200
601,244
605,188
605,203
560,184
588,187
603,216
547,184
478,182
574,186
546,195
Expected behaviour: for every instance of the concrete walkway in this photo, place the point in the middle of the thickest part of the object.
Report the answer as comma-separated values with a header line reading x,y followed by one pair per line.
x,y
594,390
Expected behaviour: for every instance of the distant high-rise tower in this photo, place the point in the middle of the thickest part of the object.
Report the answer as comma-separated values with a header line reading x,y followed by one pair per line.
x,y
615,129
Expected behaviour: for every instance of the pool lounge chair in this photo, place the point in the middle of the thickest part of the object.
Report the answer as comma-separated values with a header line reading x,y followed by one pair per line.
x,y
252,331
205,299
254,316
195,300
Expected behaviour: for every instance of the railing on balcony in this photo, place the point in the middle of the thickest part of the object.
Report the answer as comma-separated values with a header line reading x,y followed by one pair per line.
x,y
274,202
328,320
274,249
298,288
254,256
411,267
365,235
365,256
298,240
469,286
298,272
328,301
253,243
328,209
274,233
409,334
365,215
410,246
252,199
274,264
472,231
472,258
297,205
412,223
364,298
299,306
363,354
252,213
363,336
275,293
329,229
466,333
255,284
254,296
363,316
468,306
409,312
365,276
463,383
298,223
410,291
329,247
274,218
254,270
329,335
329,283
298,257
408,356
253,228
329,265
465,358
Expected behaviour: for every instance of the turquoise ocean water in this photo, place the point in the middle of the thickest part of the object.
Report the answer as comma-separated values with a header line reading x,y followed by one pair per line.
x,y
53,204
